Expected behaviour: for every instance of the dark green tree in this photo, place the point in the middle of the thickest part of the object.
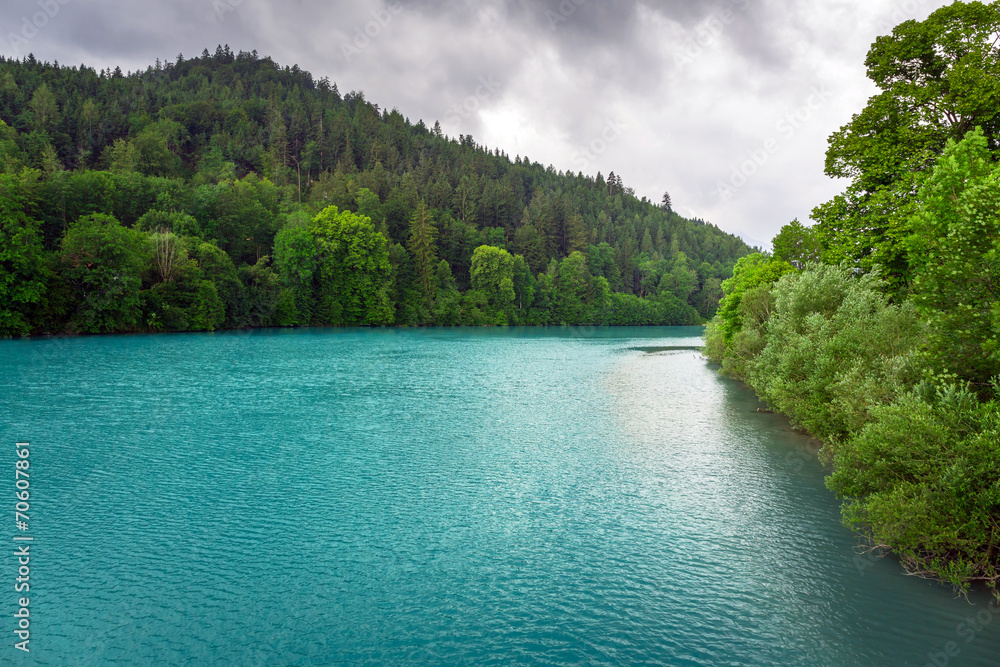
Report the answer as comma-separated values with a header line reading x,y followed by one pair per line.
x,y
104,262
423,250
938,78
22,262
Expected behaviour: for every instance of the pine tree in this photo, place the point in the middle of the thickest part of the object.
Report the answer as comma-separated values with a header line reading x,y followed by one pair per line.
x,y
423,249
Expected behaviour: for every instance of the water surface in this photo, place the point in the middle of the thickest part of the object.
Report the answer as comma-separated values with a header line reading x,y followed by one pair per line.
x,y
469,496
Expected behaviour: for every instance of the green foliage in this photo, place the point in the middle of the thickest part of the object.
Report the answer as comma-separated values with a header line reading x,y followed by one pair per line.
x,y
797,245
180,297
184,139
177,222
11,156
423,249
207,312
296,256
524,287
229,152
493,276
834,348
149,152
217,267
44,108
104,262
923,480
243,216
354,270
751,272
955,255
573,290
891,351
528,243
628,310
938,80
261,294
23,270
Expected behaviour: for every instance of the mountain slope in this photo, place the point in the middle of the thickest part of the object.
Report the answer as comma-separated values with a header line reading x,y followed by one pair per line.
x,y
231,149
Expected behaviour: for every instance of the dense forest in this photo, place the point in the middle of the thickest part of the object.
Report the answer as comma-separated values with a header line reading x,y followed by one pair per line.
x,y
878,328
225,191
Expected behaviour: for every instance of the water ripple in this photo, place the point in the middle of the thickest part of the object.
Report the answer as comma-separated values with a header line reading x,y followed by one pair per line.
x,y
521,497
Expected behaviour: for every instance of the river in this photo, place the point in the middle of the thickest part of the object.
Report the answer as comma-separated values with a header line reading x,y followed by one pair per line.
x,y
465,496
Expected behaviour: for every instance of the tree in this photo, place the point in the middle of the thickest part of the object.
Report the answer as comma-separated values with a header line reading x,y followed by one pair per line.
x,y
149,151
261,291
492,274
939,78
751,272
243,215
104,263
45,107
296,253
354,270
646,246
185,153
666,202
168,254
524,286
573,290
22,262
206,312
797,245
467,198
217,267
528,243
423,249
680,281
955,254
89,114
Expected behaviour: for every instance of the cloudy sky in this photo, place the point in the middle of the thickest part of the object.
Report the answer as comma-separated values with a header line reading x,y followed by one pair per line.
x,y
726,104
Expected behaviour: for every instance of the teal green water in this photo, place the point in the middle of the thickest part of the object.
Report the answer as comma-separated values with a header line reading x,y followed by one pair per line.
x,y
474,497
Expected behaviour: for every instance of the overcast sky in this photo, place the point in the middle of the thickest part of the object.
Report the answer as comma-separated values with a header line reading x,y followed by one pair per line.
x,y
726,104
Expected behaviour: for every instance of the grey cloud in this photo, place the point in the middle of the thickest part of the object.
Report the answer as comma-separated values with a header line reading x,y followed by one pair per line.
x,y
564,69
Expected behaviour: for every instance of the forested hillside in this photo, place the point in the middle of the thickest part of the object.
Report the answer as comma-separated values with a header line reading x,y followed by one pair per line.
x,y
878,329
225,191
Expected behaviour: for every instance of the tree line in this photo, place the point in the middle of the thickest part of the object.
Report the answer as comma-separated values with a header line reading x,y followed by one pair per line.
x,y
225,191
878,328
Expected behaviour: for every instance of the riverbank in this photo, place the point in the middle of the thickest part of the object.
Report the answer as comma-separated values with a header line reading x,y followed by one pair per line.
x,y
915,460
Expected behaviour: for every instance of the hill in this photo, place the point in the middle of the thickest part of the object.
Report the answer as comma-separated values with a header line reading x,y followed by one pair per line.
x,y
196,194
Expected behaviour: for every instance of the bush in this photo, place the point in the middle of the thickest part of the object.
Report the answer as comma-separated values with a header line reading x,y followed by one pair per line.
x,y
923,479
834,348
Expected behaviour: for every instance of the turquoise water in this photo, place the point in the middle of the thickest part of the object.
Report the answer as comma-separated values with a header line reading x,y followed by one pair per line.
x,y
478,497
